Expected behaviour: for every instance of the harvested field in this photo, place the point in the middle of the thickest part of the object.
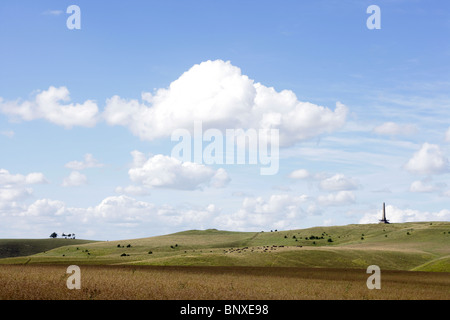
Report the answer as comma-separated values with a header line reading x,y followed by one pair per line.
x,y
48,282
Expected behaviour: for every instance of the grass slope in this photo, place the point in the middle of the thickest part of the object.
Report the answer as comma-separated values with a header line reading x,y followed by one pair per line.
x,y
26,247
419,246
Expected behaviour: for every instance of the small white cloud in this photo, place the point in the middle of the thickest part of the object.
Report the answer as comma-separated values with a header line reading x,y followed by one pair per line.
x,y
338,182
48,105
7,178
394,129
313,209
13,188
139,158
299,174
75,179
428,160
35,178
45,207
337,199
89,162
447,135
220,179
121,208
424,186
162,171
10,194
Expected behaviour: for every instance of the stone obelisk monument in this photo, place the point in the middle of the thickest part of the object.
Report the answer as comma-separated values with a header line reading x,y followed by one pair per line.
x,y
384,220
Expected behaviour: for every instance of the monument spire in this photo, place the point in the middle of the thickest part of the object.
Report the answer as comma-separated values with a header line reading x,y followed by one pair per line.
x,y
384,220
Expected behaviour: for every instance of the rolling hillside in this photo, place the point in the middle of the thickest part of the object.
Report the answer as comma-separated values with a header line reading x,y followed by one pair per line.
x,y
25,247
419,246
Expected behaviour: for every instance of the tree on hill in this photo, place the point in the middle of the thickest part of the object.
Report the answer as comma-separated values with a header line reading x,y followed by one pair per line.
x,y
68,236
53,235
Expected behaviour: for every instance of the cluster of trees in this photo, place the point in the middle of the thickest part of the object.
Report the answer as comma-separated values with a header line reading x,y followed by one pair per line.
x,y
311,238
65,236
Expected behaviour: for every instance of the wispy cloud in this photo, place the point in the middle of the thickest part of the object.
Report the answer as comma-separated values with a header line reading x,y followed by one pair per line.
x,y
89,162
394,129
52,12
8,134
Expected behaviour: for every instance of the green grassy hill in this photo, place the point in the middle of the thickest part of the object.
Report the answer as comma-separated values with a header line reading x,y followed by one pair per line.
x,y
419,246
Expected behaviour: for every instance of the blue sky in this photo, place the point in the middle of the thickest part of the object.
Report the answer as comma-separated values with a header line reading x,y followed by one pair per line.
x,y
86,115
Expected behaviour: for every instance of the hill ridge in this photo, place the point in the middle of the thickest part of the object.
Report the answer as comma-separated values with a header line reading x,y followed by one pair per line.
x,y
402,246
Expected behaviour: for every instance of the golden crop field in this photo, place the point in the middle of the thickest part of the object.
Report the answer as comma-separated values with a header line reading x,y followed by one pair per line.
x,y
48,282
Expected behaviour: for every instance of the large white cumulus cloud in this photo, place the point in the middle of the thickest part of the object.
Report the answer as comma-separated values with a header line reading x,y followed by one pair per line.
x,y
219,95
214,92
